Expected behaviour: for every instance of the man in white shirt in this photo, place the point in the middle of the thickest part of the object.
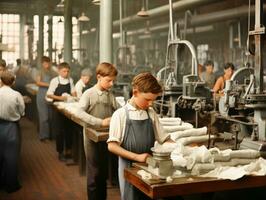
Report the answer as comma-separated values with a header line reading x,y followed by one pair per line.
x,y
11,109
83,82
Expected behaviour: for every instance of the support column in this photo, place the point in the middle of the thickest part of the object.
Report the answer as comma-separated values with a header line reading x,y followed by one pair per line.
x,y
40,41
21,36
50,36
30,37
68,31
106,24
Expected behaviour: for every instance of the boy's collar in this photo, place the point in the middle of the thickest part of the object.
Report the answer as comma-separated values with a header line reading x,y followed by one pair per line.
x,y
100,92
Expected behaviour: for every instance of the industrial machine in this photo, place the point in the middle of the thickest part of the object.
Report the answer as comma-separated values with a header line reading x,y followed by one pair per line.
x,y
244,100
184,92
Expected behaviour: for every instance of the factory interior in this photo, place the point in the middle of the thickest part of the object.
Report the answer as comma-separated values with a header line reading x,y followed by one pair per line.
x,y
132,99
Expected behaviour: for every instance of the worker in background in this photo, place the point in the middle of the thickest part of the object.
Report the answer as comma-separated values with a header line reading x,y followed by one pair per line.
x,y
43,78
12,108
134,129
99,102
220,83
2,68
208,75
200,70
83,84
60,89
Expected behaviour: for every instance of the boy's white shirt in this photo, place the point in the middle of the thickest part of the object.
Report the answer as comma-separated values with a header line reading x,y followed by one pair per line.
x,y
118,123
12,106
54,83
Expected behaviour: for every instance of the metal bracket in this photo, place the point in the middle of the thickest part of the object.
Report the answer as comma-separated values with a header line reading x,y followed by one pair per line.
x,y
257,31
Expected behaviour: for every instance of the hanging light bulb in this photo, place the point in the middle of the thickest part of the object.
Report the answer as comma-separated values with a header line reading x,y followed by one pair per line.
x,y
143,12
83,18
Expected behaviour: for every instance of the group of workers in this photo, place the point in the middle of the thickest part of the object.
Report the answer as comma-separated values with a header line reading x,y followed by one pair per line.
x,y
133,128
206,73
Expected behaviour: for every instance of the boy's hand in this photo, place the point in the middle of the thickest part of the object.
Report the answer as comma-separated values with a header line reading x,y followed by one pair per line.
x,y
106,121
142,157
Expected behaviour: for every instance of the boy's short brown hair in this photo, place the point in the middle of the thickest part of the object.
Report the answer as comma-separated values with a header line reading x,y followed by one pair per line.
x,y
63,65
146,83
106,69
45,59
7,78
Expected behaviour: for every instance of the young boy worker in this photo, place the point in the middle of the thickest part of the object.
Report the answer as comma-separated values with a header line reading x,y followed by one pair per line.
x,y
134,129
59,89
99,103
12,108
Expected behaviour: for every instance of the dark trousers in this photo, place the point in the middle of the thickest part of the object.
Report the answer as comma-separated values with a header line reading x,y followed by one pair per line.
x,y
63,132
97,170
9,154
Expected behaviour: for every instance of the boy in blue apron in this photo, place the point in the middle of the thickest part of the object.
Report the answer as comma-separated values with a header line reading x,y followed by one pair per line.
x,y
12,107
60,87
134,129
99,102
44,109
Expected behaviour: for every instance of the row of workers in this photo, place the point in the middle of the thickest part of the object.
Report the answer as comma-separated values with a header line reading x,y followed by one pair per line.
x,y
133,128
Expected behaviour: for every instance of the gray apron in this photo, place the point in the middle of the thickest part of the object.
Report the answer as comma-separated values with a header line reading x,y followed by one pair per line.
x,y
102,108
44,110
138,138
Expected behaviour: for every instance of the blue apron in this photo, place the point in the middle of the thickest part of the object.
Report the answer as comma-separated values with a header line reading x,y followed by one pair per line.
x,y
9,155
138,138
44,109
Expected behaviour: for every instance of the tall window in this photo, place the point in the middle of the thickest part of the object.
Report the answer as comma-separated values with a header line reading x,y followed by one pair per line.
x,y
58,36
10,30
202,50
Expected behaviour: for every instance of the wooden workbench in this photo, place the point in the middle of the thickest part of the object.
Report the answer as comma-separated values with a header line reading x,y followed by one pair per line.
x,y
96,135
158,188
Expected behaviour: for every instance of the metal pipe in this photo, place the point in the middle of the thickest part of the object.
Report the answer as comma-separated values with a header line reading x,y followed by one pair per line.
x,y
160,27
106,31
203,19
209,18
121,23
68,31
177,6
171,20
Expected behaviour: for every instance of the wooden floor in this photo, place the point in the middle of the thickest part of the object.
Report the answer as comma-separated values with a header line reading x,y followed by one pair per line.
x,y
43,176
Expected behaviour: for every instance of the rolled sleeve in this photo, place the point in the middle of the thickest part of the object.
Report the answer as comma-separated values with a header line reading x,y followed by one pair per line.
x,y
84,101
160,135
116,128
72,87
21,105
78,88
52,86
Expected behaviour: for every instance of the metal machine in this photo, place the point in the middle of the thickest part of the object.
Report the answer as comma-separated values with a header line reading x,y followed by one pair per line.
x,y
244,102
160,164
183,89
